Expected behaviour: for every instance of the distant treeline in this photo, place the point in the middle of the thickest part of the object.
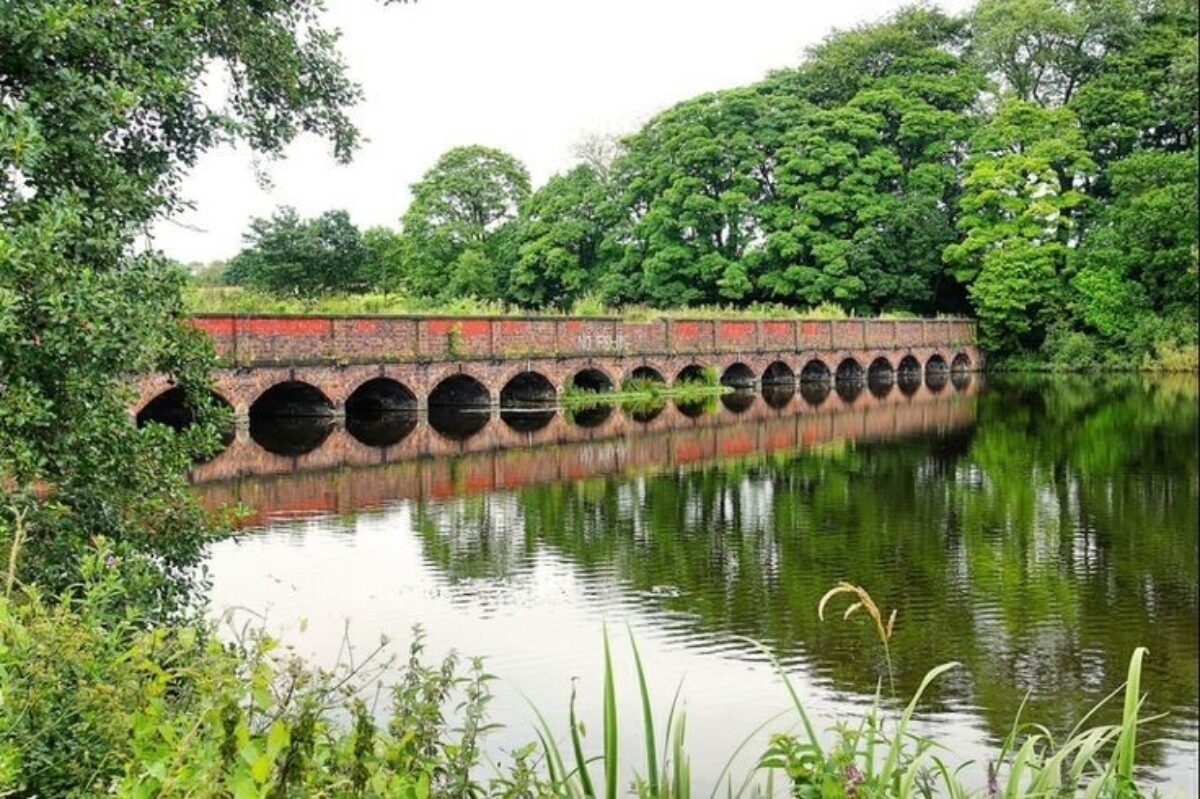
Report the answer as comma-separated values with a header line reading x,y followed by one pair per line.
x,y
1032,163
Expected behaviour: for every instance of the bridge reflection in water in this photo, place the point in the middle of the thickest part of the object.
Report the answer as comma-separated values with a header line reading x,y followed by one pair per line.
x,y
286,467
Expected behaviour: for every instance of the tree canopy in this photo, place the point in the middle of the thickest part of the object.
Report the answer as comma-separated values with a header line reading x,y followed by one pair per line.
x,y
103,107
1005,164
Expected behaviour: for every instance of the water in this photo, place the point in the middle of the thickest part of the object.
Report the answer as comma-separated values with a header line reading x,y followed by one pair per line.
x,y
1034,530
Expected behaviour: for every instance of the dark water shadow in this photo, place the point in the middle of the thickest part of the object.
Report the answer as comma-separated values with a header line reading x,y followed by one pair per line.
x,y
644,412
290,436
589,416
908,382
778,395
458,423
849,390
697,407
738,402
815,392
880,386
383,429
527,420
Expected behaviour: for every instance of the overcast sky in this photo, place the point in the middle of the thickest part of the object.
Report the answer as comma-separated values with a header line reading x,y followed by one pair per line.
x,y
531,77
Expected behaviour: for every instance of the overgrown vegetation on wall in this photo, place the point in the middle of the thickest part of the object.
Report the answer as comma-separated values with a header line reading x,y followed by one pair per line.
x,y
1030,163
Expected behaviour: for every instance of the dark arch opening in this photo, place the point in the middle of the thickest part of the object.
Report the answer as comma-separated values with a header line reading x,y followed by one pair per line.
x,y
880,370
460,391
849,370
738,375
815,392
175,409
778,372
382,429
814,371
590,416
646,374
849,390
936,363
961,363
528,388
692,373
738,402
527,420
936,380
880,378
908,375
291,399
593,380
380,395
778,395
960,380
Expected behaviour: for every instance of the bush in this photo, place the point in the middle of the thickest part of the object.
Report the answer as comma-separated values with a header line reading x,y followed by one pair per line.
x,y
93,701
1069,350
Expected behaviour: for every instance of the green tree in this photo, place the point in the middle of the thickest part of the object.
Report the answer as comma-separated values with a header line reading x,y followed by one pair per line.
x,y
869,179
458,230
103,107
1135,280
834,181
696,180
1043,51
384,268
561,240
285,254
1018,201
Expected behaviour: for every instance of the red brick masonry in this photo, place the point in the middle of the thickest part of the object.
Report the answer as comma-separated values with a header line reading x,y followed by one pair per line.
x,y
339,354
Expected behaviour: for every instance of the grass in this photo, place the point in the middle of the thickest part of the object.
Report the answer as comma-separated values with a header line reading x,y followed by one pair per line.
x,y
239,300
877,755
647,394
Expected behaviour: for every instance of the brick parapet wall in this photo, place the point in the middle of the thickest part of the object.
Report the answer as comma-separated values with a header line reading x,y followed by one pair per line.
x,y
245,341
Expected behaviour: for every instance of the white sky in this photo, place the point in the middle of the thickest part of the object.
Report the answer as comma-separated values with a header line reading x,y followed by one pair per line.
x,y
531,77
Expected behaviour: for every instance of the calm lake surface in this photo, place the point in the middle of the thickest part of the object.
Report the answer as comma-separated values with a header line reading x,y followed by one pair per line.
x,y
1035,530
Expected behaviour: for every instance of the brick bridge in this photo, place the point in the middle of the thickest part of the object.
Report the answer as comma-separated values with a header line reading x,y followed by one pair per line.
x,y
343,474
307,365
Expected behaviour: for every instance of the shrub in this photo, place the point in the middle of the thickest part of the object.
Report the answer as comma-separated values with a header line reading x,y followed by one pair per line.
x,y
93,701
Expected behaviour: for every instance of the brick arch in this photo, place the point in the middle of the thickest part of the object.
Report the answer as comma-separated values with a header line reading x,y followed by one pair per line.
x,y
689,371
433,374
381,392
293,396
881,368
571,373
524,386
502,376
171,406
739,373
629,369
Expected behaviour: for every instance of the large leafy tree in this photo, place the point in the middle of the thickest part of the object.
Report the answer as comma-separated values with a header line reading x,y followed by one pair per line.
x,y
561,240
103,107
1044,51
1018,217
873,177
458,229
697,182
836,181
285,254
1136,280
